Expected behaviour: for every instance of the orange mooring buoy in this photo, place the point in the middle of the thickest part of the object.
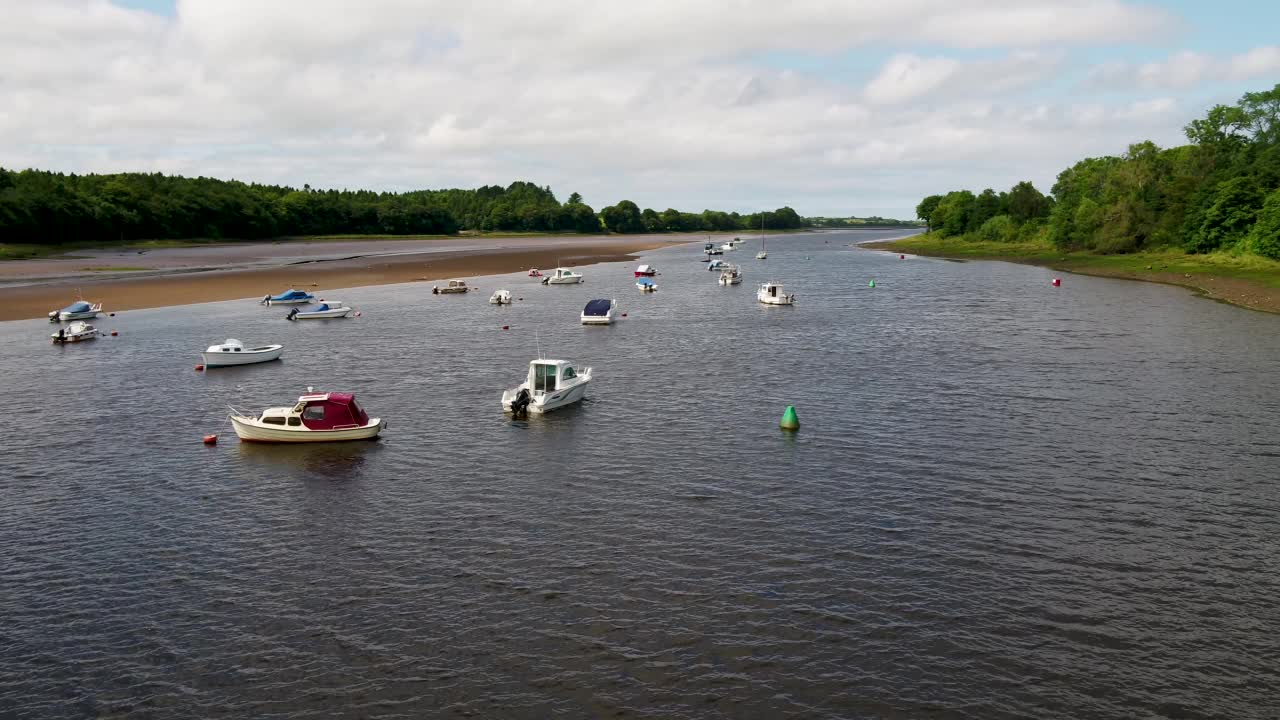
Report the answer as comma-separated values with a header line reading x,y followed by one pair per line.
x,y
211,439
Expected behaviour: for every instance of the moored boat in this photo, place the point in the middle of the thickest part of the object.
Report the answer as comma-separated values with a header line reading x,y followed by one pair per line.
x,y
233,352
562,276
717,265
646,284
316,417
731,275
289,297
78,310
771,293
551,384
78,331
599,312
646,271
331,309
500,297
535,272
454,287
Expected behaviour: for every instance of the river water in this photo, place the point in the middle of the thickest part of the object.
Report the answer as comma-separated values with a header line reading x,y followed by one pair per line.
x,y
1006,500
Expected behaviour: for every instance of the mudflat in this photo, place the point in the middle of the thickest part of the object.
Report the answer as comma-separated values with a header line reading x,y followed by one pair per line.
x,y
127,278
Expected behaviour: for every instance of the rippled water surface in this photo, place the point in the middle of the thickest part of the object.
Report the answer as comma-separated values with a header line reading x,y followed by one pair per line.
x,y
1006,500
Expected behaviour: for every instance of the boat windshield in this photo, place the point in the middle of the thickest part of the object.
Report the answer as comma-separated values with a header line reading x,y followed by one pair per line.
x,y
544,378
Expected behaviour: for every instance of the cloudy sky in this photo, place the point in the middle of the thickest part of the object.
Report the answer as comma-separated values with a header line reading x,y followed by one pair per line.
x,y
834,107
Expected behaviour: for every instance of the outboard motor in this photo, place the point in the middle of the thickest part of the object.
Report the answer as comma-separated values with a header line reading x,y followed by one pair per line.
x,y
520,405
292,313
266,299
435,289
53,316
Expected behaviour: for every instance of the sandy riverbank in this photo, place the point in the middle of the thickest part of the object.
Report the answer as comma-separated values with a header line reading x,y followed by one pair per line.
x,y
180,276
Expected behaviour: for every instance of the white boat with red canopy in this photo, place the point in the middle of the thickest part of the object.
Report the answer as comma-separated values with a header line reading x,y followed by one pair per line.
x,y
316,417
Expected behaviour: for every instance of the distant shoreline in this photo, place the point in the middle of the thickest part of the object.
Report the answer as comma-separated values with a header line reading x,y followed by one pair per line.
x,y
208,273
1247,282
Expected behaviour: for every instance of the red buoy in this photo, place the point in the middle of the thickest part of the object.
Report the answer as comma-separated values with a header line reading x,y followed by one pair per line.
x,y
357,313
1057,282
624,314
199,368
506,327
112,314
210,439
114,333
902,257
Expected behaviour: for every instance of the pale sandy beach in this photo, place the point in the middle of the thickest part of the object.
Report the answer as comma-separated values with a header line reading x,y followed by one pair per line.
x,y
206,273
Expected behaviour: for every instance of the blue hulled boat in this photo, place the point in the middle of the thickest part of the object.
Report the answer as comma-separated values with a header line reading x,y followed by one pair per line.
x,y
289,297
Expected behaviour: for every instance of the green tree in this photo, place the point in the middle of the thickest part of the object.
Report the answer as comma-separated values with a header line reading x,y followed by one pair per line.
x,y
1233,212
985,207
951,216
925,209
622,218
999,228
1027,203
1264,237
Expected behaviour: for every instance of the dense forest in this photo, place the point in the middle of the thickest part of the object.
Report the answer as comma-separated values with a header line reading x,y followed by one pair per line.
x,y
1221,192
53,208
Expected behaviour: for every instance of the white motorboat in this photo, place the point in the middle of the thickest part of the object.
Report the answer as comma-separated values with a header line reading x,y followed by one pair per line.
x,y
233,352
727,246
646,284
599,312
551,385
731,275
289,297
78,331
331,309
717,265
453,288
79,310
771,293
316,417
500,297
562,276
711,249
646,271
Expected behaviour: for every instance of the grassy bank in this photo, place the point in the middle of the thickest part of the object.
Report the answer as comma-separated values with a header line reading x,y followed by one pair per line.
x,y
1240,279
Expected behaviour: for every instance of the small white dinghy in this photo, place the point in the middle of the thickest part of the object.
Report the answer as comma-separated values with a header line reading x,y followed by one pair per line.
x,y
78,331
233,352
331,309
646,284
316,417
500,297
562,276
599,312
772,294
551,385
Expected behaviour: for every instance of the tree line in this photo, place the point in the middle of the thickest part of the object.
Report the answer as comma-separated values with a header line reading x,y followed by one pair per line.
x,y
1220,192
41,207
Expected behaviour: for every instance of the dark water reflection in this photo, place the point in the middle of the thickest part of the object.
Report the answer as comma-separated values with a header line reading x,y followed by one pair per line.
x,y
1006,501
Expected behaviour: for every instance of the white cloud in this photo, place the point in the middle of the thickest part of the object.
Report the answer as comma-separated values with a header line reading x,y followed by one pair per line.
x,y
1186,69
666,102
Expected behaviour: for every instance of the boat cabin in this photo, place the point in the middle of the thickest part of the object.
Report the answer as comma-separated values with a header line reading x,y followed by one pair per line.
x,y
772,290
547,376
457,284
598,308
231,345
321,411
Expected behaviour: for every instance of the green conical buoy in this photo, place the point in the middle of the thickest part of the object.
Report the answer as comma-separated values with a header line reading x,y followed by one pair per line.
x,y
789,419
871,284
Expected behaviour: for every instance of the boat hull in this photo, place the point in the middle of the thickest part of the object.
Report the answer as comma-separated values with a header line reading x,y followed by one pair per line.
x,y
299,301
323,314
248,357
562,281
68,317
251,430
553,401
597,319
75,338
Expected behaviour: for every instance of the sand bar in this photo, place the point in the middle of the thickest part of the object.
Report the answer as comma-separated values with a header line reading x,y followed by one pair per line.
x,y
207,273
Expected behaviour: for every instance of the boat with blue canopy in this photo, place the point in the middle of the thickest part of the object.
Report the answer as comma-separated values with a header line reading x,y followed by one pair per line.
x,y
599,312
331,309
289,297
79,310
646,284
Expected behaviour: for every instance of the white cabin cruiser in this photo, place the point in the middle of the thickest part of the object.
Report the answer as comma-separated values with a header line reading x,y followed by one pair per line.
x,y
316,417
78,331
562,276
599,312
500,297
711,249
453,288
771,293
551,385
731,275
233,352
728,246
79,310
331,309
